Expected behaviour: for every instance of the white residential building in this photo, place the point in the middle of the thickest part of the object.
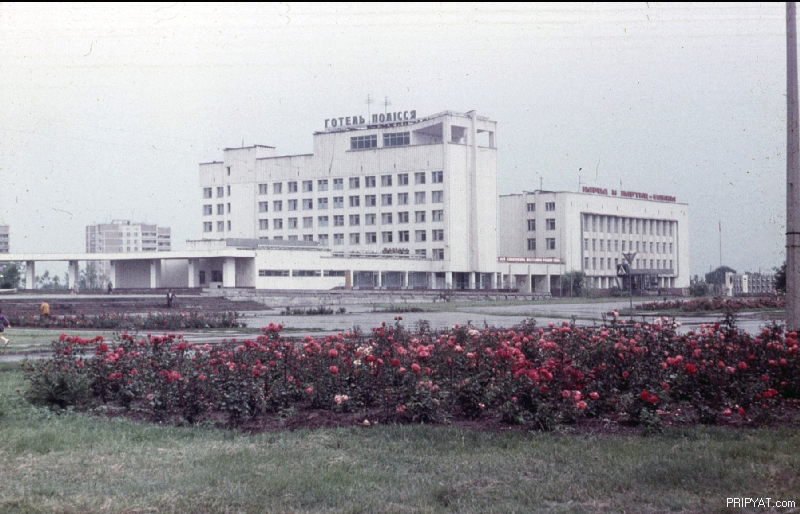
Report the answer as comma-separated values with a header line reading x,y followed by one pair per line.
x,y
124,236
4,234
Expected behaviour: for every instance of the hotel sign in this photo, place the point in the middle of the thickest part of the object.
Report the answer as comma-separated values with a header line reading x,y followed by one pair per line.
x,y
389,117
531,260
628,194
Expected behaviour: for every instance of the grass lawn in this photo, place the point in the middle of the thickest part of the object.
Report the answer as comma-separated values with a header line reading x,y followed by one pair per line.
x,y
79,463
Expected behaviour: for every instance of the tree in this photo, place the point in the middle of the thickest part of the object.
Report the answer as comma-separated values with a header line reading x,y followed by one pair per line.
x,y
11,276
90,277
698,287
573,282
717,277
780,278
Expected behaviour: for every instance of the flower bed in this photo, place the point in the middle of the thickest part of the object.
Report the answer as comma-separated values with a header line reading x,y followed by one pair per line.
x,y
715,304
535,376
149,321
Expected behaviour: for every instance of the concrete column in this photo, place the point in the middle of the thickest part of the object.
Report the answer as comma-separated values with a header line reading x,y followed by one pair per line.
x,y
30,275
405,279
380,280
72,274
112,274
229,272
471,280
192,273
155,273
448,280
546,288
493,281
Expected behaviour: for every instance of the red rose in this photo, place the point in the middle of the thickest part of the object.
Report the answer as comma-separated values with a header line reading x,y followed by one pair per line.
x,y
334,369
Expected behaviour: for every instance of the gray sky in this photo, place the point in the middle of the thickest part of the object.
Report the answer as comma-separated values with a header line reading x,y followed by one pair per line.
x,y
106,110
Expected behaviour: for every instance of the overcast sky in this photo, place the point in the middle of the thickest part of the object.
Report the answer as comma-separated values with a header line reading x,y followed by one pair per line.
x,y
106,110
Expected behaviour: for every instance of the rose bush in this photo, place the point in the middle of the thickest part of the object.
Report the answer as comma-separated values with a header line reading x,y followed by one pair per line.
x,y
540,376
149,321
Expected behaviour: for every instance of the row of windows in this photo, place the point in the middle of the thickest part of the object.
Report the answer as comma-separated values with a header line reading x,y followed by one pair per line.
x,y
387,218
403,236
605,263
209,226
548,206
549,243
208,192
593,222
301,273
371,141
550,224
387,200
605,245
307,186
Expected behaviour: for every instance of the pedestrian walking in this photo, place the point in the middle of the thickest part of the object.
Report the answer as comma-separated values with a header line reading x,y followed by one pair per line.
x,y
110,287
3,325
44,311
170,298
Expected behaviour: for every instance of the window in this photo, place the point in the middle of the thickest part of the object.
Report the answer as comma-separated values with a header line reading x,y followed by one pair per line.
x,y
338,202
369,181
323,239
419,177
419,197
531,225
262,189
437,196
371,238
291,205
206,192
369,219
322,203
292,222
437,177
220,226
277,205
550,206
263,206
438,254
338,239
277,223
361,142
594,262
550,224
229,190
531,207
308,222
308,204
402,179
322,184
616,245
397,139
586,244
386,218
308,186
651,248
277,188
220,208
208,210
273,273
355,183
355,220
308,237
220,192
322,221
601,245
402,236
386,200
338,183
420,236
386,237
623,245
421,253
263,224
338,220
208,226
437,215
585,263
229,208
292,186
419,216
386,180
402,198
550,243
355,201
437,235
531,244
369,201
594,245
402,217
355,239
670,250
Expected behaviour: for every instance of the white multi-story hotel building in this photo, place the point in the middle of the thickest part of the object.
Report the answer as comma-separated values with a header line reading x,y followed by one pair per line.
x,y
395,201
591,232
4,232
